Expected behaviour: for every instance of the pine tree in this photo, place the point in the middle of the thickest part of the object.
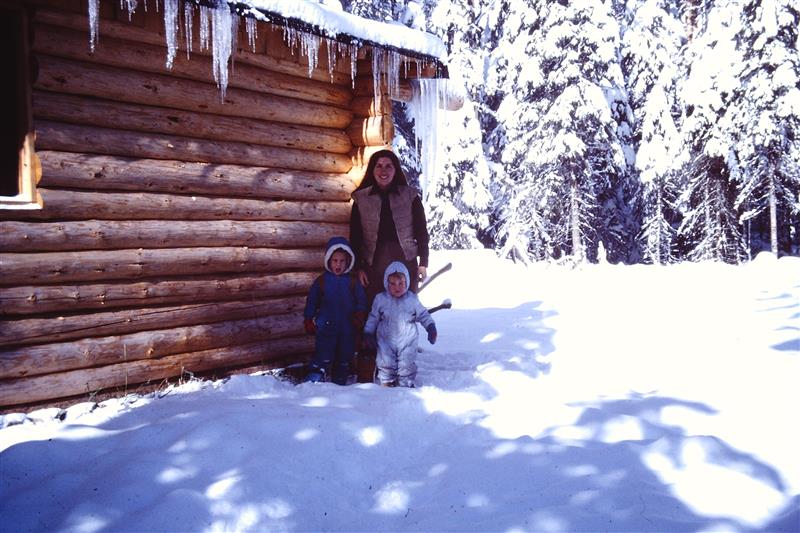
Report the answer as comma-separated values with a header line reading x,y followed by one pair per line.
x,y
710,229
652,40
765,120
563,155
460,202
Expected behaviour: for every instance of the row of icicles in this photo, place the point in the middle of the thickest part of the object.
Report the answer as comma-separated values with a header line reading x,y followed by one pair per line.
x,y
219,30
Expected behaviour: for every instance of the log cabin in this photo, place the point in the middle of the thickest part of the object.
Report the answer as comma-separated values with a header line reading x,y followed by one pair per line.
x,y
177,170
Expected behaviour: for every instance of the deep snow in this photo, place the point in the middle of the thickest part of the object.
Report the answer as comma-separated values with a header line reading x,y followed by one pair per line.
x,y
602,398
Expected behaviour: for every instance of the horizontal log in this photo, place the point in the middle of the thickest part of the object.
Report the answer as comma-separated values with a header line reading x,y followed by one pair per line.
x,y
130,265
371,131
364,88
72,138
81,205
137,56
111,83
368,106
29,331
364,85
101,351
100,172
266,58
88,111
28,300
112,234
92,380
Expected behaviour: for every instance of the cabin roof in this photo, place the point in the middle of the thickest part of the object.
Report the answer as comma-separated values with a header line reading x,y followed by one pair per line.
x,y
311,17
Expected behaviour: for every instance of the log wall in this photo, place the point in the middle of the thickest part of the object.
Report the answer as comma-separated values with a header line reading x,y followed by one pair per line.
x,y
181,227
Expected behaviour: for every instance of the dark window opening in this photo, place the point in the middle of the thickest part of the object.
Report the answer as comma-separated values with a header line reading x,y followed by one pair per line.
x,y
16,107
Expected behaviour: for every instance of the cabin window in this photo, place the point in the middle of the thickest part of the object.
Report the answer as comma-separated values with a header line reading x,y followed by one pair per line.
x,y
19,168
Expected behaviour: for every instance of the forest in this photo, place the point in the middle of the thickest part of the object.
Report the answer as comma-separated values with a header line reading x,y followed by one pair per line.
x,y
632,131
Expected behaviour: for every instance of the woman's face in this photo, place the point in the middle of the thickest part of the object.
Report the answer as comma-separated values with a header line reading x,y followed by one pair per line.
x,y
384,172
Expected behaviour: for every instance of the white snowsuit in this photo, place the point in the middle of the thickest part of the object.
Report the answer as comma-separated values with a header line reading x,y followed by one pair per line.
x,y
394,320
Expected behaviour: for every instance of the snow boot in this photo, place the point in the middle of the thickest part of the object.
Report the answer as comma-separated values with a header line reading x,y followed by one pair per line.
x,y
315,374
340,373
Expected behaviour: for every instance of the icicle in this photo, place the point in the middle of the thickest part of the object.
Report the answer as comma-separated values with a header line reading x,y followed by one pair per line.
x,y
331,57
94,23
234,37
424,109
378,66
221,25
188,17
251,26
204,27
171,29
309,46
353,63
393,73
130,6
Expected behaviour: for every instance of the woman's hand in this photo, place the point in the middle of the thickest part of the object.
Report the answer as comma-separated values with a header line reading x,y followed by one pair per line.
x,y
362,278
422,273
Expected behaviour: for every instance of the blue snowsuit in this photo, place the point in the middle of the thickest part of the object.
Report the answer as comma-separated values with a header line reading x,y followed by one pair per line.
x,y
332,302
394,320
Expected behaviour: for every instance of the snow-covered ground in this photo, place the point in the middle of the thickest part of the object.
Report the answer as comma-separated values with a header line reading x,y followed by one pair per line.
x,y
605,398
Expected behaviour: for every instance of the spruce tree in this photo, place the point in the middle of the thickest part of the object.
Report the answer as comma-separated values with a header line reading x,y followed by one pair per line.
x,y
564,157
765,119
653,38
710,228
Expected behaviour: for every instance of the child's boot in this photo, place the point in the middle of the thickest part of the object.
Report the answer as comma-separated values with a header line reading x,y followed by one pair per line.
x,y
340,373
316,374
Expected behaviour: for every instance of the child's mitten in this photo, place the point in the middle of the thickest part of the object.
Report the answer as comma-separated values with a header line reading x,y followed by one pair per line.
x,y
432,334
310,327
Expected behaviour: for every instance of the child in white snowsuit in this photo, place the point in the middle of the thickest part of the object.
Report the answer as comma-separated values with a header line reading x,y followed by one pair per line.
x,y
335,310
392,325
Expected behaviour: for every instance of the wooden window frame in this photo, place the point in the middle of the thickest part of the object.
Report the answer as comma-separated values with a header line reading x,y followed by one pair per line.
x,y
28,168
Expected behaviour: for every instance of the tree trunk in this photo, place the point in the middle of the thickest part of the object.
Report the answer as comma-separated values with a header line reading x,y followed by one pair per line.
x,y
100,172
773,216
69,138
124,375
86,111
112,234
26,300
71,327
110,83
575,222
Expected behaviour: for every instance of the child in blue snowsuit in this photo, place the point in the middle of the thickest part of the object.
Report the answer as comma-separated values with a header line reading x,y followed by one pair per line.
x,y
392,325
335,309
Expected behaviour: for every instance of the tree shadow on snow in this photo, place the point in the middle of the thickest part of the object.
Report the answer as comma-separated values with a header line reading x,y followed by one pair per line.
x,y
262,456
515,339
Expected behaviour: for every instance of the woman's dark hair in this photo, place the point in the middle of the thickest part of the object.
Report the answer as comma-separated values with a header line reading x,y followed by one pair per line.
x,y
369,175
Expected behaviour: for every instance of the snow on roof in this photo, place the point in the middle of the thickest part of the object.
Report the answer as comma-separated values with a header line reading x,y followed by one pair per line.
x,y
336,24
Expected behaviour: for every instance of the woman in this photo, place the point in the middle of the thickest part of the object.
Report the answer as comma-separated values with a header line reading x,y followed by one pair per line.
x,y
387,224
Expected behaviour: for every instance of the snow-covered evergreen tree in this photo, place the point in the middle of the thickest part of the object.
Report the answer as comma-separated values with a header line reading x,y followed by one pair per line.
x,y
563,156
460,202
710,228
765,117
653,38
